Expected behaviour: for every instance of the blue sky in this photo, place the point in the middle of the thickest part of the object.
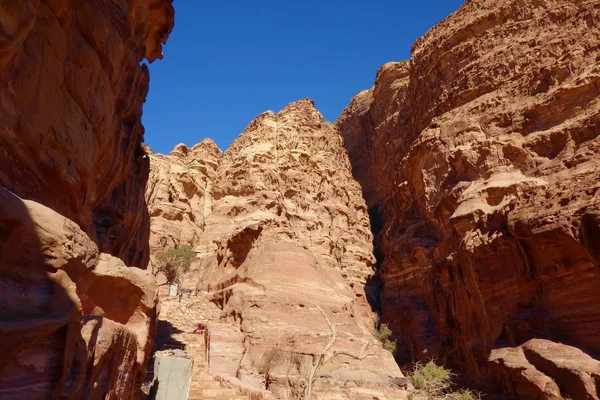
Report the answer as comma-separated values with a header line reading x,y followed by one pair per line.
x,y
228,61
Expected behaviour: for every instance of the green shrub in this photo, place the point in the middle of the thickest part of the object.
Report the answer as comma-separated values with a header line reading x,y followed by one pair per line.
x,y
462,395
436,382
175,262
431,378
383,334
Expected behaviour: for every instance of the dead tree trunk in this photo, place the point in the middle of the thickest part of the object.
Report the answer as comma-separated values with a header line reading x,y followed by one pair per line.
x,y
327,355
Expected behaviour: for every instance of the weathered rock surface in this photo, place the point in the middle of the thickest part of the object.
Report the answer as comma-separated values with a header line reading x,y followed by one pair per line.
x,y
74,322
538,368
70,112
285,231
479,160
179,193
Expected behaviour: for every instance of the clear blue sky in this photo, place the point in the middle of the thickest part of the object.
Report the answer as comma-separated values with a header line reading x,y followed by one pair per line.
x,y
228,61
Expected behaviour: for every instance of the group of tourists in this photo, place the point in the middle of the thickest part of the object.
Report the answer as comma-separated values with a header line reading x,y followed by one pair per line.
x,y
189,293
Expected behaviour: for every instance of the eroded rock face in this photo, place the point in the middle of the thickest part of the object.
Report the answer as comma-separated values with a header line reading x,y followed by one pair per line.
x,y
179,193
479,161
74,322
70,109
538,368
286,232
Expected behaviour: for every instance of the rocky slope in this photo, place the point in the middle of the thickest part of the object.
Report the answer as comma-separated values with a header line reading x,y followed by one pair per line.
x,y
72,211
284,247
479,161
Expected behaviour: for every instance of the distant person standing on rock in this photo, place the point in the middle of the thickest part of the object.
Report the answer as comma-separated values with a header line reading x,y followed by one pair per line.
x,y
180,294
189,291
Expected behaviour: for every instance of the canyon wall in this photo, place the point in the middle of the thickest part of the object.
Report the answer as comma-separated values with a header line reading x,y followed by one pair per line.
x,y
479,161
75,321
72,97
285,250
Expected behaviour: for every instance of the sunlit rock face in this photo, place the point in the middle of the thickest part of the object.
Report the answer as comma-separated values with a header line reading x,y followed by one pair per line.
x,y
75,319
478,159
179,193
281,229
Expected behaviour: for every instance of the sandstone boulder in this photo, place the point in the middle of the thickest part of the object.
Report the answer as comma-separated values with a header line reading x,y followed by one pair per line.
x,y
542,369
74,322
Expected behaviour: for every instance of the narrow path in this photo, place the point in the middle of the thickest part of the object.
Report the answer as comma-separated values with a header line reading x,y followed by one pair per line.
x,y
176,321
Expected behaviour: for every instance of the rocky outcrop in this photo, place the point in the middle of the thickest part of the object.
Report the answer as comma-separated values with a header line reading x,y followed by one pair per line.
x,y
179,193
538,368
285,250
75,321
63,333
479,162
71,106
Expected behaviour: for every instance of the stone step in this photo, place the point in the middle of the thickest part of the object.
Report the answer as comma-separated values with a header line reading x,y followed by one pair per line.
x,y
203,384
200,397
204,376
215,391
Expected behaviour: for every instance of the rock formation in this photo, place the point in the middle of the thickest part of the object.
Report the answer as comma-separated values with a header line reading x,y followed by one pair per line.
x,y
71,104
75,321
285,246
541,369
179,193
479,161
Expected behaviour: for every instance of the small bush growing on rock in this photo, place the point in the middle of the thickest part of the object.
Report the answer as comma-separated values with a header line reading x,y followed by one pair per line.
x,y
462,395
435,383
175,262
431,378
383,334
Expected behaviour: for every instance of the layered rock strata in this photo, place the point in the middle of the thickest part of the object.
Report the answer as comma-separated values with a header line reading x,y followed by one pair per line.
x,y
285,248
75,321
479,160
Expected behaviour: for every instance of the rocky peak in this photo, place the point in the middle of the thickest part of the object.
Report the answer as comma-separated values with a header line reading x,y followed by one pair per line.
x,y
288,168
286,232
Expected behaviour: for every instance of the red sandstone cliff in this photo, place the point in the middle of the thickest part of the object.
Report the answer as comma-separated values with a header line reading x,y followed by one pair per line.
x,y
70,117
479,160
75,321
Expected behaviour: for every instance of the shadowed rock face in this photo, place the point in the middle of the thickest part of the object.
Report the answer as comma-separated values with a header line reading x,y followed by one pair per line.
x,y
70,109
479,160
283,230
75,321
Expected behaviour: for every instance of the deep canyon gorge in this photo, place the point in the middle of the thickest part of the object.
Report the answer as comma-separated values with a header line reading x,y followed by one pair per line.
x,y
456,201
